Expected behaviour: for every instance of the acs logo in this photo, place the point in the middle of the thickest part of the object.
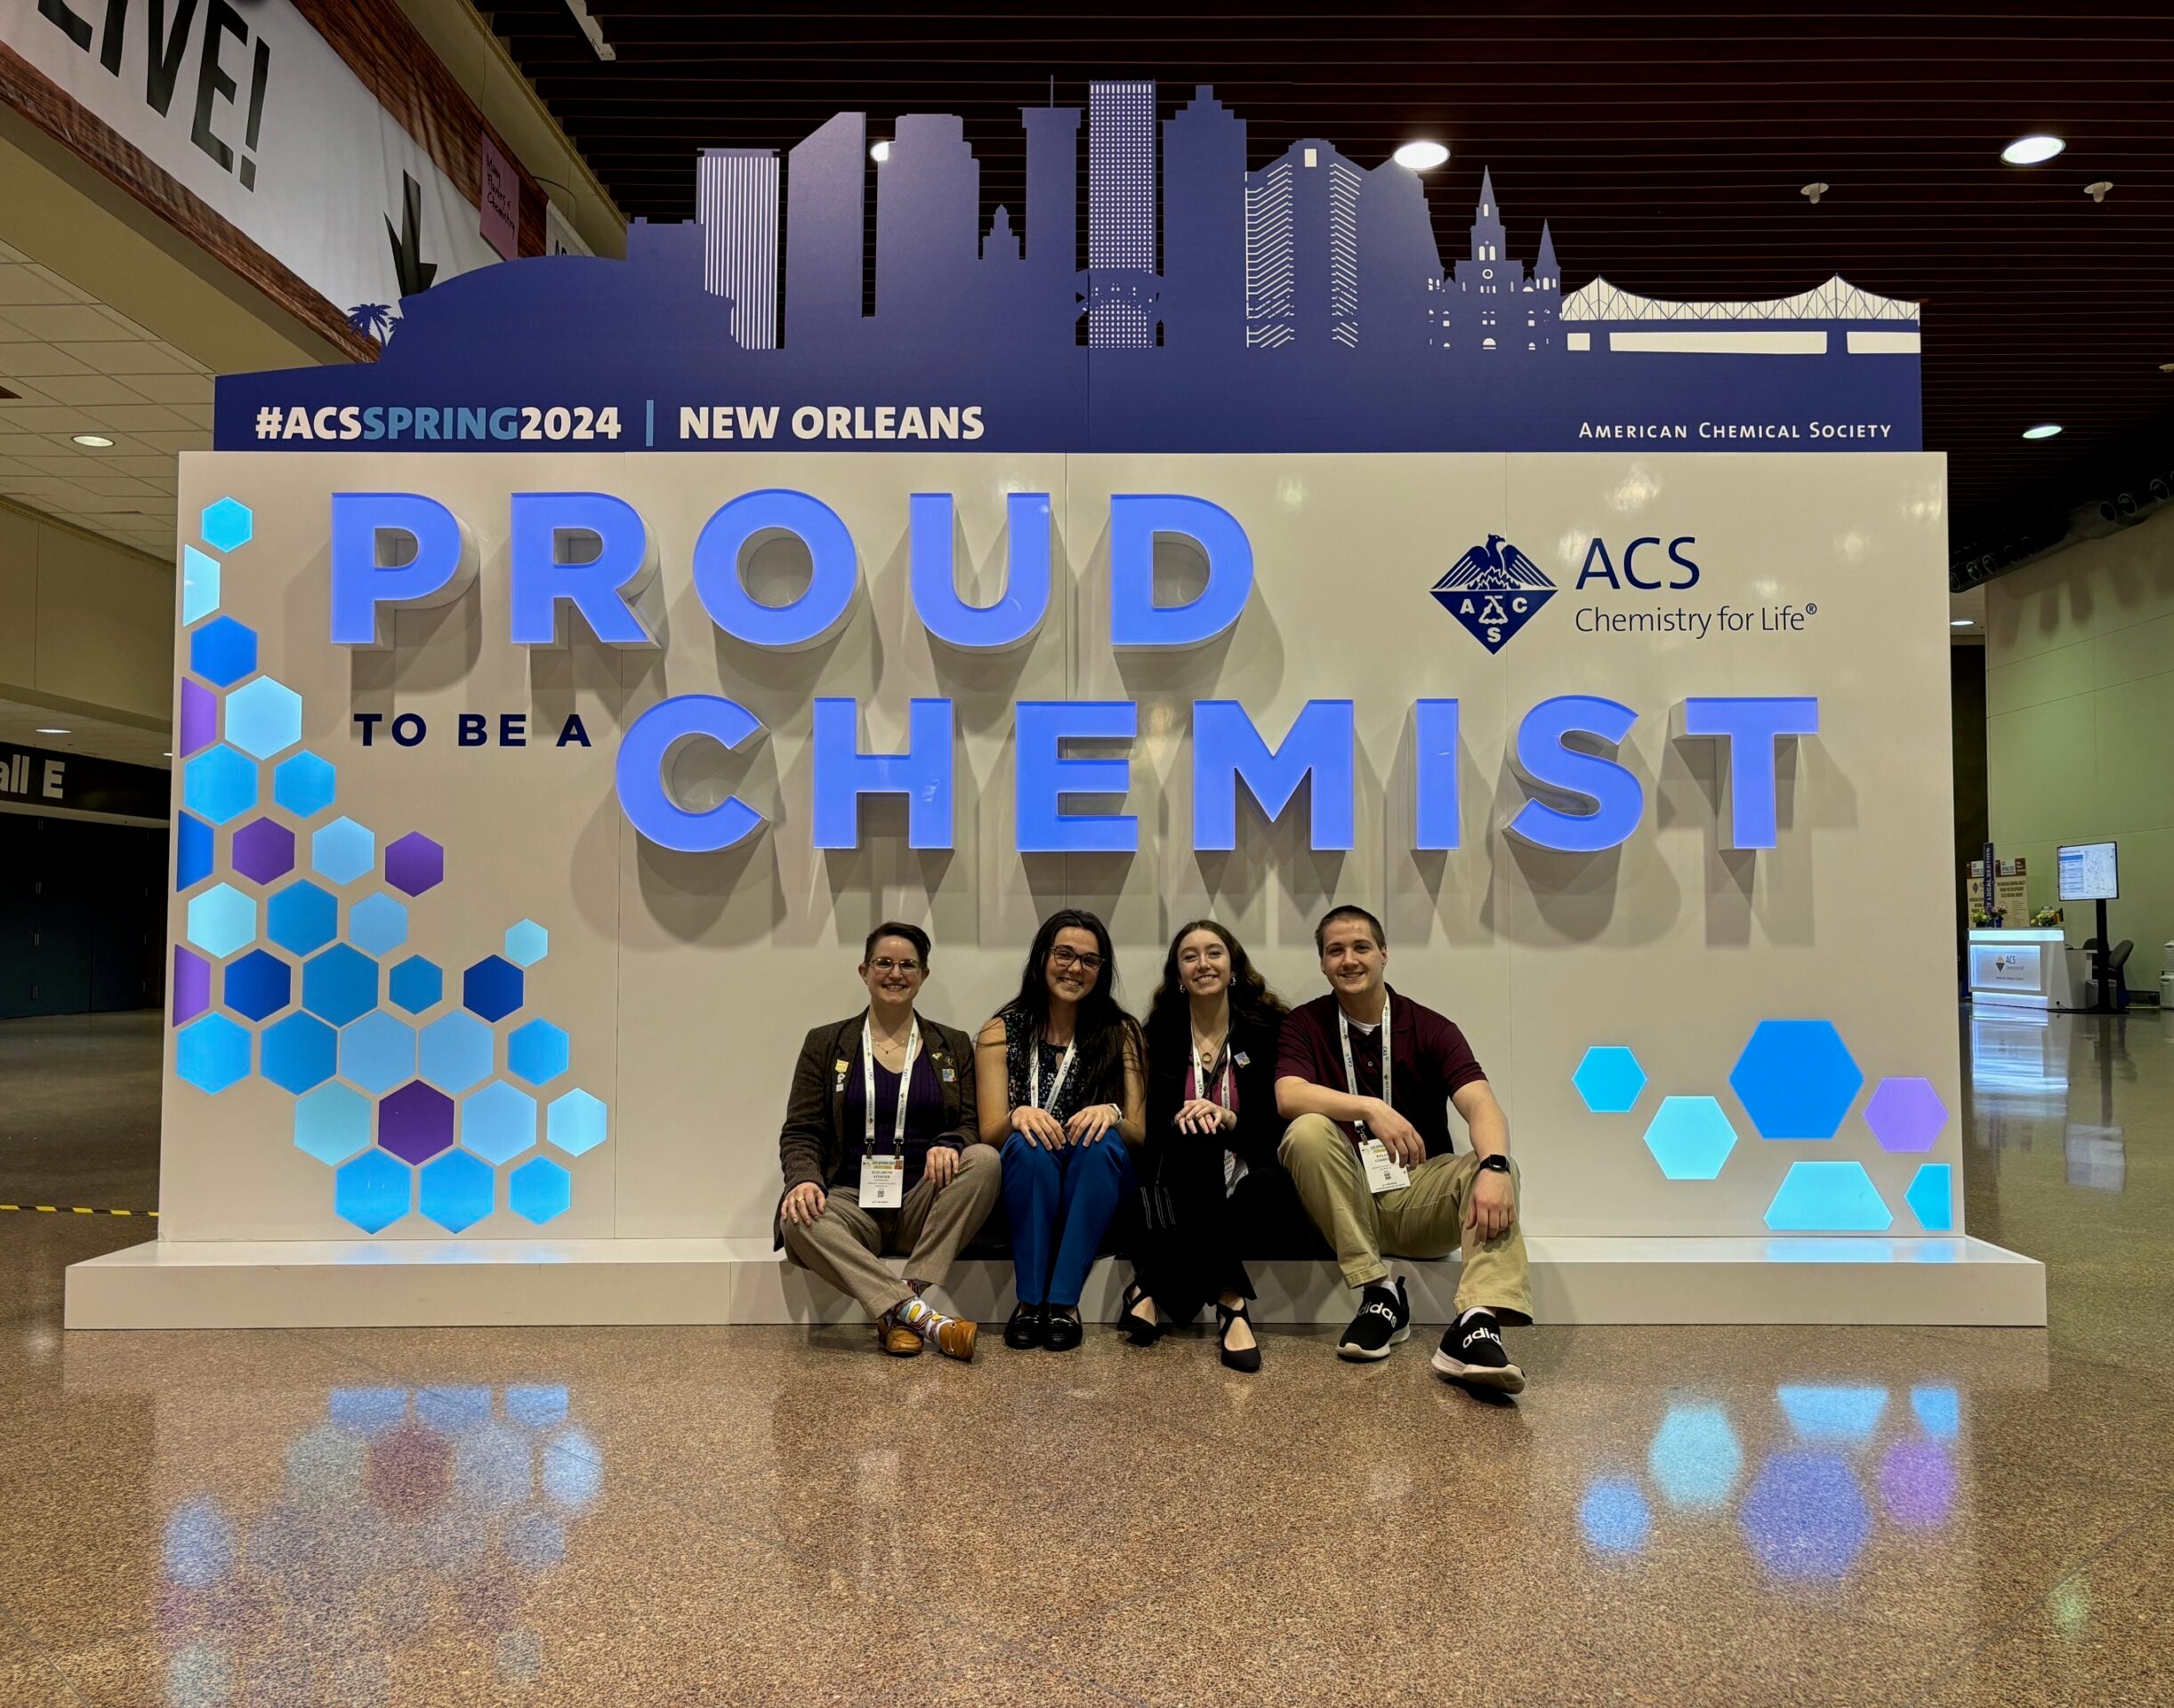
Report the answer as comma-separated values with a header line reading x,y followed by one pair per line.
x,y
1493,590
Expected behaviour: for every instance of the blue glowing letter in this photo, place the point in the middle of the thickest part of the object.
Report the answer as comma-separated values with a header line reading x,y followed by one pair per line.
x,y
364,525
843,774
1435,751
1045,776
1226,746
648,743
1019,611
1618,798
1750,727
751,519
540,578
1135,619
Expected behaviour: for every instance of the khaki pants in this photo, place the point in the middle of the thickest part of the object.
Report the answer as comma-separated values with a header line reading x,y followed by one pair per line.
x,y
1425,1219
845,1244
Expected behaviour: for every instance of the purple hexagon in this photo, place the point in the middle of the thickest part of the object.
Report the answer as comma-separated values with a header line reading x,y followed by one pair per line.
x,y
415,864
415,1123
192,985
264,849
1906,1115
199,718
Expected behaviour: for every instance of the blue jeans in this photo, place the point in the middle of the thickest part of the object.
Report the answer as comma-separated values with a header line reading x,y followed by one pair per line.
x,y
1059,1204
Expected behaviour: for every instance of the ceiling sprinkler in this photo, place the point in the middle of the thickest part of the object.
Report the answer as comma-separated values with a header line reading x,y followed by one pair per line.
x,y
1813,191
2097,191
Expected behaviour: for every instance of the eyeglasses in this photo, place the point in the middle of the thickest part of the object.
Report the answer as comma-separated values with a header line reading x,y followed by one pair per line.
x,y
1063,957
887,965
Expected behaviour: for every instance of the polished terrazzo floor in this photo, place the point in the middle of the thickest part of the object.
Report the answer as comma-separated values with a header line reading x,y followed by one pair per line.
x,y
758,1515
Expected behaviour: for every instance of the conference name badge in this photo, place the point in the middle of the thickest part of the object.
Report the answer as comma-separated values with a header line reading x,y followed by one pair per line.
x,y
882,1182
1384,1173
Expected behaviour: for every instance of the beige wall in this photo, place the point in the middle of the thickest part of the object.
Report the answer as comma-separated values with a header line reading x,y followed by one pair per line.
x,y
84,625
2079,724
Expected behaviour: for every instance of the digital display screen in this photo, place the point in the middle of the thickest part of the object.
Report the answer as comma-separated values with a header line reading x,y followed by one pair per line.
x,y
2087,873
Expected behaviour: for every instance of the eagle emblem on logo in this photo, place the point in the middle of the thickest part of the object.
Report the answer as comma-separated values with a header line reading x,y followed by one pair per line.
x,y
1493,590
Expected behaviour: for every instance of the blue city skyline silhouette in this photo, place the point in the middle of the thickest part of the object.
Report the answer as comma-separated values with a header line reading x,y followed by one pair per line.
x,y
1190,304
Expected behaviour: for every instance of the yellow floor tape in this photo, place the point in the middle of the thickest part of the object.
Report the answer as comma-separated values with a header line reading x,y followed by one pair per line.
x,y
77,1210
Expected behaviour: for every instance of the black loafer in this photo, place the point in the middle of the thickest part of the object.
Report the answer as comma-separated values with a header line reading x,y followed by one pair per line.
x,y
1029,1326
1062,1330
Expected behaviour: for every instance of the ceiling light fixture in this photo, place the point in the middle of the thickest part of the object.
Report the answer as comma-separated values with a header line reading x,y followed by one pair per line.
x,y
56,732
2099,191
2044,429
878,152
1813,190
2032,151
92,441
1959,623
1421,157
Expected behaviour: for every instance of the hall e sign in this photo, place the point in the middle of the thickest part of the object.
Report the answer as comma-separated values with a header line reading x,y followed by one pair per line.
x,y
33,777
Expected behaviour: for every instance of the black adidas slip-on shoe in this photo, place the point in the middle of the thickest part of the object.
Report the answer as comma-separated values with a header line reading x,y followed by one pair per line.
x,y
1384,1318
1472,1352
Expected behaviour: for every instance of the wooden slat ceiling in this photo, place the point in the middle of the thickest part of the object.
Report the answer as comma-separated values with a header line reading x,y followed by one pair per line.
x,y
1667,148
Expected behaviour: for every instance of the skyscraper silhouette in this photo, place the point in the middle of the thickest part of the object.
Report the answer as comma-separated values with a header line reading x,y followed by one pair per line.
x,y
826,233
1121,287
1302,249
1399,267
735,201
928,224
1052,225
1204,227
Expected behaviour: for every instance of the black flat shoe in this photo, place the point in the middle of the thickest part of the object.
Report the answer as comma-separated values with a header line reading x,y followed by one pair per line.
x,y
1248,1361
1029,1326
1137,1330
1062,1333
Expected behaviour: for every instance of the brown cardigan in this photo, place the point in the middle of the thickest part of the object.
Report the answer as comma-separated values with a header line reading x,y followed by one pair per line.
x,y
812,1142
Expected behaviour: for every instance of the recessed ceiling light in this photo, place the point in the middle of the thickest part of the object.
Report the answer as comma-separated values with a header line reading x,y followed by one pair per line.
x,y
1959,623
56,732
2032,151
2166,367
1421,157
1813,190
2099,191
2044,429
94,441
878,152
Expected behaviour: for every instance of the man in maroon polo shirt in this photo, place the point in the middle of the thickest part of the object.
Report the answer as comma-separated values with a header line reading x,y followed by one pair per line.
x,y
1370,1150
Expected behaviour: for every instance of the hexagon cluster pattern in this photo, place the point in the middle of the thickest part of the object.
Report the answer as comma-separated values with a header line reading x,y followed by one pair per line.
x,y
1797,1080
423,1083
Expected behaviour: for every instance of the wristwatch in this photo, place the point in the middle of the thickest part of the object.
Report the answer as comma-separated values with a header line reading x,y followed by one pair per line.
x,y
1499,1164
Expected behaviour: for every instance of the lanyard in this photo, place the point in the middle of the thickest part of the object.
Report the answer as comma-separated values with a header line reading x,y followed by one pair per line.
x,y
1206,1082
1033,1073
1343,1026
867,1080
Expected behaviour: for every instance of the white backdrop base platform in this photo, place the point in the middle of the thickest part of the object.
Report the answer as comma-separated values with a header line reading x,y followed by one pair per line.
x,y
337,1284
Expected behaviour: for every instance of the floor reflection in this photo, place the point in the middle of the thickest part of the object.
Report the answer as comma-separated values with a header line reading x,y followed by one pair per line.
x,y
398,1511
1835,1464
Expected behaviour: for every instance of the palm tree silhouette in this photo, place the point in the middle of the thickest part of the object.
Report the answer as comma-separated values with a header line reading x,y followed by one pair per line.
x,y
372,320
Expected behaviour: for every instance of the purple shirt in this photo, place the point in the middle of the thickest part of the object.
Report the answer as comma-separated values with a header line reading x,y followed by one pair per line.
x,y
1432,1060
924,1116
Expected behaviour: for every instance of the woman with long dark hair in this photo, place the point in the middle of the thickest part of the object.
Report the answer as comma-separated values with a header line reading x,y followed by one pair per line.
x,y
1059,1073
1209,1158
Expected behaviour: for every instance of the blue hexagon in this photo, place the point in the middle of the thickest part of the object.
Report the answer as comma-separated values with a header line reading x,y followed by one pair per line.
x,y
377,924
1609,1079
304,785
377,1052
1796,1078
1931,1197
527,943
298,1052
223,651
540,1190
1805,1518
211,1053
343,851
301,918
1615,1517
259,985
415,985
1696,1457
575,1123
458,1051
492,987
226,524
1690,1138
264,717
331,1124
192,851
220,784
222,920
456,1193
1828,1198
499,1122
372,1191
340,984
537,1053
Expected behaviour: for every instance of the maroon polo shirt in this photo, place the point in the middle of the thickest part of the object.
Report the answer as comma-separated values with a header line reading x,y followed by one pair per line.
x,y
1431,1060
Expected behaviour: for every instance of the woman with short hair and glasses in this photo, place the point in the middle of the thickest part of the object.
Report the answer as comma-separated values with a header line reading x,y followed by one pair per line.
x,y
879,1152
1061,1071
